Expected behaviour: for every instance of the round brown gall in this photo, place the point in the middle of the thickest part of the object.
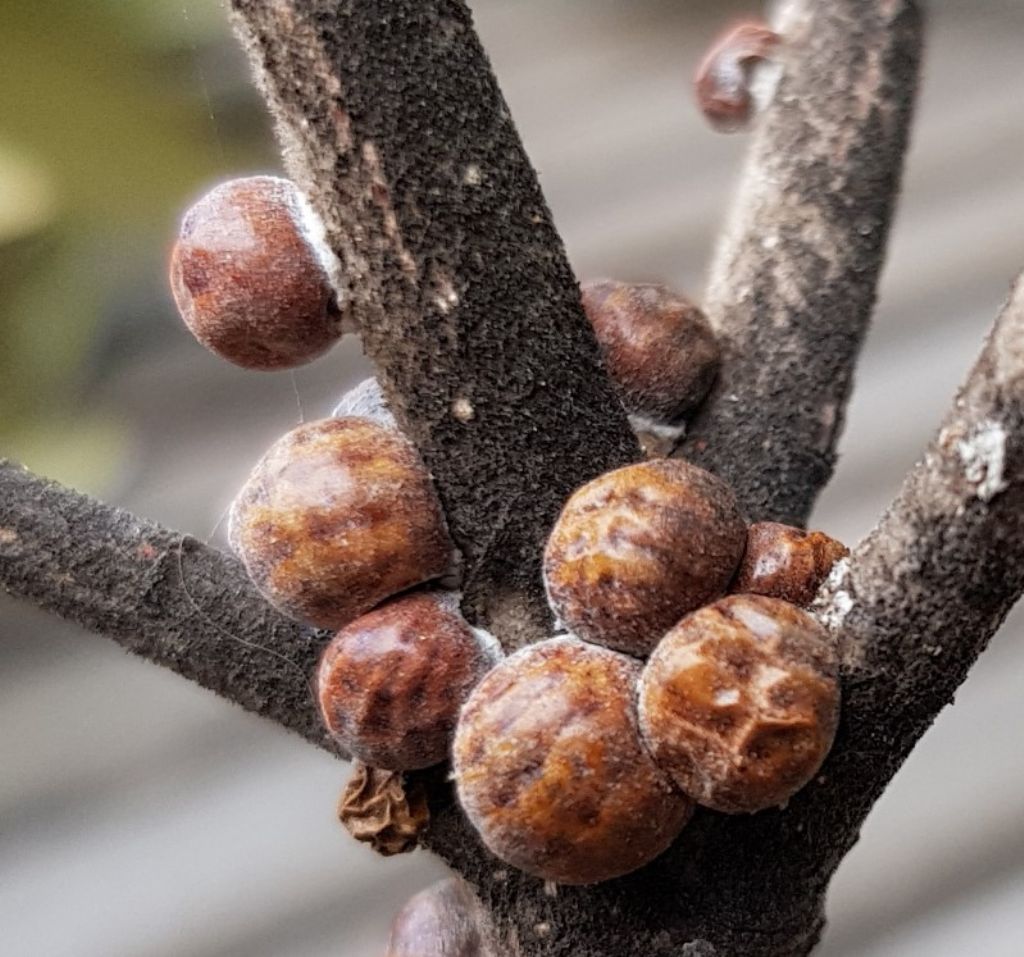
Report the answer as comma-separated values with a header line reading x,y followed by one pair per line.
x,y
639,547
248,279
337,516
551,770
785,562
739,702
659,350
391,683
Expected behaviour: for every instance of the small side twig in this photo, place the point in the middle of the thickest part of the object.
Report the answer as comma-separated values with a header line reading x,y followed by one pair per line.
x,y
793,282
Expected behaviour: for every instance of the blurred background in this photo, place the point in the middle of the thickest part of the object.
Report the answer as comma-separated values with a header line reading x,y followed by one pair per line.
x,y
141,816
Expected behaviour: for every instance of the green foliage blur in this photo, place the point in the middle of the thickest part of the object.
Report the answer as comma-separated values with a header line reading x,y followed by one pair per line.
x,y
114,114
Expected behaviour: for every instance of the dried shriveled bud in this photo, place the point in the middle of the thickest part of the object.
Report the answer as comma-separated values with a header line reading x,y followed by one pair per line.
x,y
445,920
724,78
339,515
383,809
658,348
390,684
637,548
739,702
551,770
785,562
248,275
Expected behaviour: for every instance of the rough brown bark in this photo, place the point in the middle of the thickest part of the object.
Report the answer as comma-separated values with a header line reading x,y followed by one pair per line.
x,y
793,283
919,598
394,125
159,594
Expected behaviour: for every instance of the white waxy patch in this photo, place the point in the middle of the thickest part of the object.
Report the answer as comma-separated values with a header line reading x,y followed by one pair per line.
x,y
764,81
488,643
472,175
786,15
447,298
366,401
726,697
662,430
834,614
463,409
983,456
315,233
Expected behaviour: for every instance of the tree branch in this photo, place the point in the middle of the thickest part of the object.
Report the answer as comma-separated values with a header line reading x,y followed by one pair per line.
x,y
793,283
920,597
160,595
394,125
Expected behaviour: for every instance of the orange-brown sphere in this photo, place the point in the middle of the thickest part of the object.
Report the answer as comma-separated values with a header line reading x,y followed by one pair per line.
x,y
551,770
339,515
785,562
639,547
658,348
739,702
247,278
390,684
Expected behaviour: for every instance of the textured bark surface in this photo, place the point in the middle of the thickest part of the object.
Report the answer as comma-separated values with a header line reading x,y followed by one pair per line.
x,y
159,594
394,125
919,598
793,283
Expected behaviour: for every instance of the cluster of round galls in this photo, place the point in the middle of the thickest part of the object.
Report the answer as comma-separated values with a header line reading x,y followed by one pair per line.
x,y
579,758
338,525
688,676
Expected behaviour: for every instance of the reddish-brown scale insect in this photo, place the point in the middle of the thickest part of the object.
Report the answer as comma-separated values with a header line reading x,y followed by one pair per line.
x,y
739,702
551,770
249,275
658,347
390,684
337,516
785,562
723,79
639,547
